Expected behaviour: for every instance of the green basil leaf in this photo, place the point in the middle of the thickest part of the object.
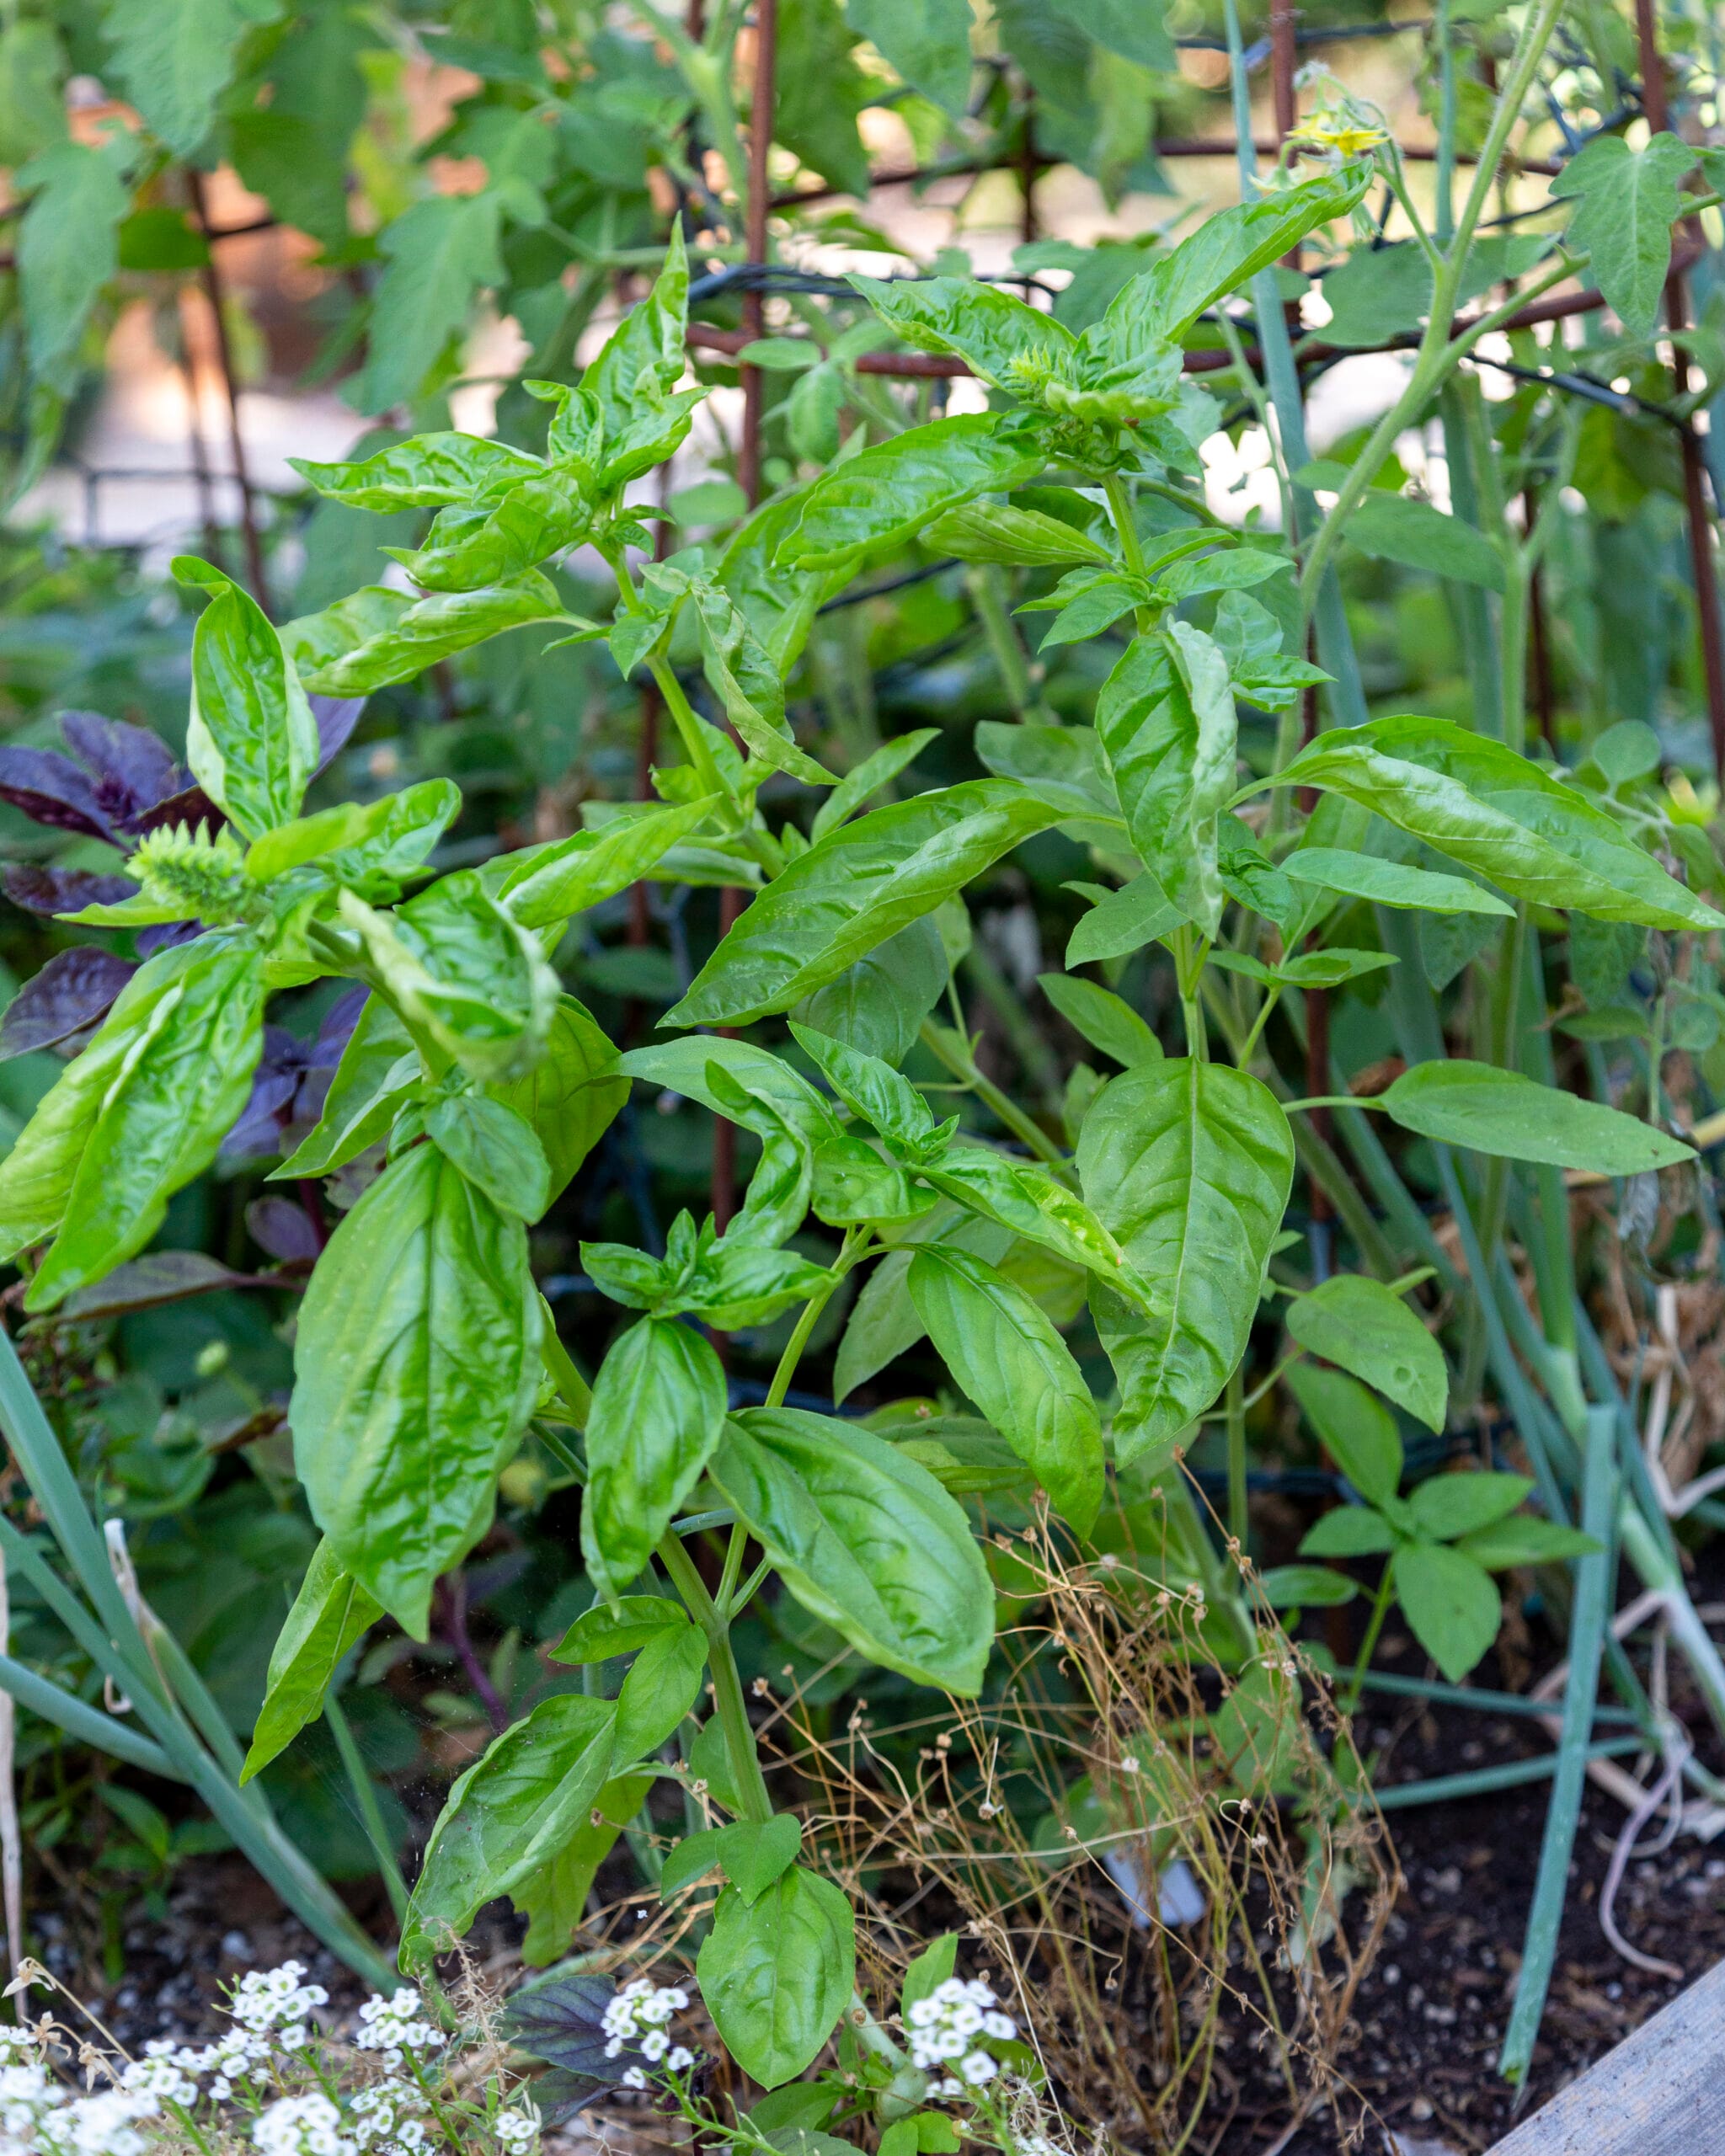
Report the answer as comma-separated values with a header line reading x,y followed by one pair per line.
x,y
377,636
780,604
1120,922
495,1149
1306,1587
417,1362
378,1071
1247,875
550,883
877,1006
865,1539
553,1899
573,1094
1522,1540
1189,1165
874,771
784,1095
1358,1324
630,1622
1235,571
1061,764
892,491
1496,813
859,885
743,1284
397,843
869,1087
1357,1429
191,1020
1447,1507
1164,301
929,1970
309,838
658,1411
330,1612
428,471
926,41
251,740
467,549
1027,1199
663,1684
507,1816
1388,883
1105,1021
1025,538
645,358
1459,1102
1165,719
457,965
1450,1602
989,329
777,1974
746,682
690,1861
1349,1531
1009,1359
756,1853
1327,968
884,1322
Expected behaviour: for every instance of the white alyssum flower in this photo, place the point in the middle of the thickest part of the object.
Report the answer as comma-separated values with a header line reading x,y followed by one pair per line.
x,y
161,2073
235,2059
302,2126
385,2113
518,2130
396,2027
96,2126
277,2002
638,2015
949,2028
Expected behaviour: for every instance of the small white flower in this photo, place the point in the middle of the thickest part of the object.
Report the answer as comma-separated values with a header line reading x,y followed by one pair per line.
x,y
922,2013
1000,2026
655,2044
976,2067
302,2126
680,2058
951,1991
517,2130
634,2078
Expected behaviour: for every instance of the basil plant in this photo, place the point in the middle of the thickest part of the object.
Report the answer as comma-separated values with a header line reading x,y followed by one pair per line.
x,y
423,1349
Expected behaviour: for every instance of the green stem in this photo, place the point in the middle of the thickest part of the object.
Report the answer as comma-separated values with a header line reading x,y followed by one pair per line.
x,y
740,1752
1238,1494
986,585
1379,1610
365,1793
851,1251
959,1060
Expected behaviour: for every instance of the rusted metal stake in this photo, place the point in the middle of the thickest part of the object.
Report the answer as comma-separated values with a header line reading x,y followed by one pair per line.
x,y
247,506
195,433
1695,492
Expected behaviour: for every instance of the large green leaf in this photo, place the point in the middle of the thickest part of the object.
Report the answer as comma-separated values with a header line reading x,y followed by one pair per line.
x,y
1626,203
377,636
509,1814
1164,301
495,1148
32,105
988,328
999,531
1492,1110
464,972
861,884
572,1093
887,495
549,884
1358,1324
663,1684
1061,764
1396,528
927,42
865,1539
777,1974
192,1033
643,358
885,1322
877,1004
658,1411
416,1366
330,1613
1450,1602
432,471
1166,720
251,741
1478,802
1387,882
1010,1360
1358,1430
553,1899
173,58
1190,1164
439,251
1106,1021
66,247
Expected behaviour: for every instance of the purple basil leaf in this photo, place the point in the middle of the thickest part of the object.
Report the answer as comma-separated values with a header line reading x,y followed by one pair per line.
x,y
132,768
192,806
164,935
336,1029
285,1229
63,890
257,1135
51,789
563,2022
559,2093
73,991
337,717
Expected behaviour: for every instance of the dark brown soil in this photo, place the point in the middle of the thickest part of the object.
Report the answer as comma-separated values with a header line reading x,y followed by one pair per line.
x,y
1432,2011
